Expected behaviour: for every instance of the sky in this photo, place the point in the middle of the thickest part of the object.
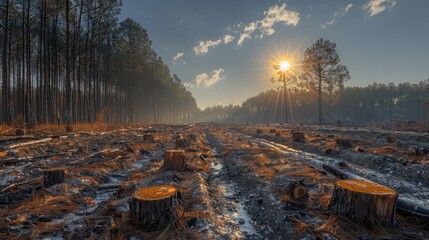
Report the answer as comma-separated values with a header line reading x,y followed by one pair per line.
x,y
224,50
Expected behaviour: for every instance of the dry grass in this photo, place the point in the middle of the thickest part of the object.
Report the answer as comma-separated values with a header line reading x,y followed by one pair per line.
x,y
43,205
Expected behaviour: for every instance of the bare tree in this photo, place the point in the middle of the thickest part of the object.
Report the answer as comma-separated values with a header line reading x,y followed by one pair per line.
x,y
321,68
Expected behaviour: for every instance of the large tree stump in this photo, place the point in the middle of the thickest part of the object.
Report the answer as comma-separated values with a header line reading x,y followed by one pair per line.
x,y
259,131
391,138
367,203
54,176
183,142
174,160
154,207
297,136
273,130
344,142
148,138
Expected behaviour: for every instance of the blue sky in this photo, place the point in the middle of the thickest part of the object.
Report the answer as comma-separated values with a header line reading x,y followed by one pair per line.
x,y
224,50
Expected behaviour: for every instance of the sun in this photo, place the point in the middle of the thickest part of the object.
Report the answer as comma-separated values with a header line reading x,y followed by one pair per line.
x,y
284,65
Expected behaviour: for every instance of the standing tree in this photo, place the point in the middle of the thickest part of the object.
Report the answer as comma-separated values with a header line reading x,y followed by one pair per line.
x,y
321,68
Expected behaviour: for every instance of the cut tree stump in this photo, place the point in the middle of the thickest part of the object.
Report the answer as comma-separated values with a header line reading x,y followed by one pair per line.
x,y
174,160
69,128
343,142
273,130
366,202
297,136
54,176
259,131
391,139
20,132
148,138
154,207
183,142
295,189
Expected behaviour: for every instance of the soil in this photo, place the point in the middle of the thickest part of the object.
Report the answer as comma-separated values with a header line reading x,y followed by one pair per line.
x,y
235,185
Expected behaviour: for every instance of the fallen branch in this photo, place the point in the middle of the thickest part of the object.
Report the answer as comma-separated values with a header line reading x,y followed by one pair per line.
x,y
27,159
25,144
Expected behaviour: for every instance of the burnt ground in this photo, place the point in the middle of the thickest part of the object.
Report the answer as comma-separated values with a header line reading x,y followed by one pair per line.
x,y
234,187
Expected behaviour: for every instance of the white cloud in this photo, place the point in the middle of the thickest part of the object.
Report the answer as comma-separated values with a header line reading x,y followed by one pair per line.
x,y
340,13
209,79
177,57
275,14
228,38
203,46
375,7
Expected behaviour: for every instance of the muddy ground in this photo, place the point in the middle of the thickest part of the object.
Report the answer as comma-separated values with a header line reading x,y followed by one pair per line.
x,y
233,188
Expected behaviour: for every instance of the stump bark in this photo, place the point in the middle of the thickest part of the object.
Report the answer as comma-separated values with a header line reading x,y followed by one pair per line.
x,y
54,176
297,136
148,138
367,203
174,160
391,139
273,130
259,131
343,142
154,207
183,142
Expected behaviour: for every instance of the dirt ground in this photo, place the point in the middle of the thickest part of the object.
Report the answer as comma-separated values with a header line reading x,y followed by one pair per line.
x,y
234,185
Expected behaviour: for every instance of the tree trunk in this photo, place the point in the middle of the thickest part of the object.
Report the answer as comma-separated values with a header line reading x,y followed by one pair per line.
x,y
154,207
183,142
320,99
174,160
367,203
148,138
53,176
297,136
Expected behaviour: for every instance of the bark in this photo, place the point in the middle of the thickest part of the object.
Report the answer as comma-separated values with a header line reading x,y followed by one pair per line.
x,y
154,207
174,160
367,203
54,176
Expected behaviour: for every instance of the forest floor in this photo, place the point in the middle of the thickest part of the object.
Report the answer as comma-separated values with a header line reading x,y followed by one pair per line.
x,y
233,187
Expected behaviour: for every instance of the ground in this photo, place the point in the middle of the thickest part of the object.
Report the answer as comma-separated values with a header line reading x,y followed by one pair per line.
x,y
234,186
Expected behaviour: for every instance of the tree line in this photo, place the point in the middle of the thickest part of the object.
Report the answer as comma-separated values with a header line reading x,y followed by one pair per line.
x,y
69,61
375,103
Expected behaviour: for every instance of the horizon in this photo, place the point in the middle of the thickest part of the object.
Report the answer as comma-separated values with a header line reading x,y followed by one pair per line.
x,y
213,54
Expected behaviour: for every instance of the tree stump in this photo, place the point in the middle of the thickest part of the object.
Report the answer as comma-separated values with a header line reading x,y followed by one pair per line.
x,y
192,136
277,134
297,136
367,203
154,207
174,160
148,138
273,130
259,131
19,132
183,142
69,128
296,190
391,138
54,176
343,142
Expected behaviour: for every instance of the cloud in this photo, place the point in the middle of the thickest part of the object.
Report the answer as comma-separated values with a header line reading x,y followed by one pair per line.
x,y
375,7
208,80
203,46
275,14
228,38
340,13
177,57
